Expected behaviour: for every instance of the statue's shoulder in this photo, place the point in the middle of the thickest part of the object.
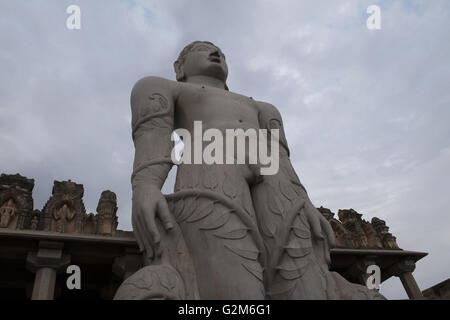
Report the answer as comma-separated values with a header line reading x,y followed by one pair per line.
x,y
154,84
151,94
270,118
267,110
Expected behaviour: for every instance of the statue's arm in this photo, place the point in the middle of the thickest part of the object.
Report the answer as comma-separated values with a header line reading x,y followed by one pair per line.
x,y
270,118
152,108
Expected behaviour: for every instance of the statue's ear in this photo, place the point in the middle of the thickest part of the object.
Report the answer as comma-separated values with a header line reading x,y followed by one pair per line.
x,y
178,67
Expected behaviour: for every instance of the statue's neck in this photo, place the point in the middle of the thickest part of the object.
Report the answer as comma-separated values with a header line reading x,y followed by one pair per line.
x,y
207,81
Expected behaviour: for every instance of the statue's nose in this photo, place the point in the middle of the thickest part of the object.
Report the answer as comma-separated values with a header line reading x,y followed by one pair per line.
x,y
215,54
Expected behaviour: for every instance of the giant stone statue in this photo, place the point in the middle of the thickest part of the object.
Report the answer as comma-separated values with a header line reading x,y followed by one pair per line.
x,y
227,231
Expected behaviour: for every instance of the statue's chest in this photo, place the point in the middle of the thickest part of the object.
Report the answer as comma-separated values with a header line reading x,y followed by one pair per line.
x,y
222,103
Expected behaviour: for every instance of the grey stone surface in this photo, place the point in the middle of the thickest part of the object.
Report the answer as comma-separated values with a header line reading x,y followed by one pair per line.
x,y
226,232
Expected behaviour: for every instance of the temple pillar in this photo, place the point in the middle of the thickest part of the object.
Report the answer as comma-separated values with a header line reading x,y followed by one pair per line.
x,y
46,263
410,285
403,270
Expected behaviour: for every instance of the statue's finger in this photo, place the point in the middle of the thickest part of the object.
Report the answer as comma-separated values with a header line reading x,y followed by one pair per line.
x,y
145,238
165,215
148,226
150,248
136,233
152,228
144,235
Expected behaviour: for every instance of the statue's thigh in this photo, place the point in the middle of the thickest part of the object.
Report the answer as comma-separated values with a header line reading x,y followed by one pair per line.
x,y
223,249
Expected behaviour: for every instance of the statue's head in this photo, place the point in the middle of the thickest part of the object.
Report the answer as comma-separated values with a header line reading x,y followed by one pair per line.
x,y
201,58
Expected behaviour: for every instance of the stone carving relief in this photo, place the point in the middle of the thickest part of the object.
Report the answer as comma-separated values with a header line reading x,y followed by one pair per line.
x,y
352,222
34,223
16,202
352,231
64,211
388,240
90,224
343,237
63,218
107,210
373,239
8,214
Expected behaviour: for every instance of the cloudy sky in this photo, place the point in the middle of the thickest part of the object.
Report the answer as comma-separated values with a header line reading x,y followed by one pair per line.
x,y
367,112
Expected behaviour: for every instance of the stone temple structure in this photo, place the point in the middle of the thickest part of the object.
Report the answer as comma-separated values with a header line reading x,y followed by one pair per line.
x,y
36,246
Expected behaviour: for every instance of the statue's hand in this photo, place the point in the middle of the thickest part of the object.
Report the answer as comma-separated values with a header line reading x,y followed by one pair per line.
x,y
323,235
149,203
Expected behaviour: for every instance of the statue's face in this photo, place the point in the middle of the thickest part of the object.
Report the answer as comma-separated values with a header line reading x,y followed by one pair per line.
x,y
205,60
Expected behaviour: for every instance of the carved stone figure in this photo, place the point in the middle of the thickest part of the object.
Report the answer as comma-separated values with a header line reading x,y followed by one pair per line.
x,y
64,212
354,232
16,201
343,237
34,222
107,209
373,239
90,223
352,222
388,240
227,232
63,217
8,212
